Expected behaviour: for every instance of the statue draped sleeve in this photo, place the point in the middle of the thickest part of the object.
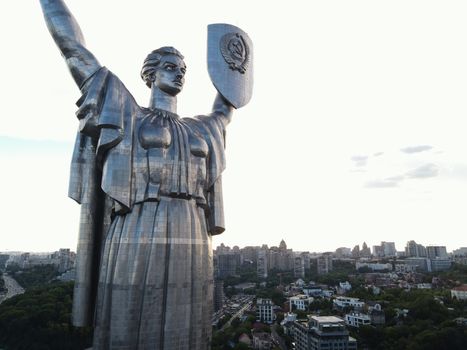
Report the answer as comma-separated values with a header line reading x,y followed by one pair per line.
x,y
213,130
100,176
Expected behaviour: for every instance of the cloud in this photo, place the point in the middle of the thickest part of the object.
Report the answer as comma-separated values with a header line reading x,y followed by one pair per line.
x,y
416,149
13,145
377,154
386,183
423,172
397,178
360,160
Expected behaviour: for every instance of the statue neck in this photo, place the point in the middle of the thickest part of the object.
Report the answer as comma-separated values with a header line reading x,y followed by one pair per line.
x,y
162,100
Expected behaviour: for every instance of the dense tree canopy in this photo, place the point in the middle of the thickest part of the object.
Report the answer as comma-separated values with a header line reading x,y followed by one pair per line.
x,y
40,319
34,276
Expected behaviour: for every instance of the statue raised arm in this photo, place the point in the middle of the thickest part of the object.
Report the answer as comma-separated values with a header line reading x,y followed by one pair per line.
x,y
69,39
150,188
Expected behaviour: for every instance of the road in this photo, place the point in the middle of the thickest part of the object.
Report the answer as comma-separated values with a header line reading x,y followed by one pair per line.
x,y
12,286
278,339
238,314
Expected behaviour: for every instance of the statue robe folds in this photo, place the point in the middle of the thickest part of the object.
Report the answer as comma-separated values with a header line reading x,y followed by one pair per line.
x,y
149,185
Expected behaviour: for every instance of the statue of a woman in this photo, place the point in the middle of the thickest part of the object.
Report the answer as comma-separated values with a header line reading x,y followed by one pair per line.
x,y
149,185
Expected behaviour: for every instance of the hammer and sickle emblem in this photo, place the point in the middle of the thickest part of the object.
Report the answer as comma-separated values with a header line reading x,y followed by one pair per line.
x,y
235,52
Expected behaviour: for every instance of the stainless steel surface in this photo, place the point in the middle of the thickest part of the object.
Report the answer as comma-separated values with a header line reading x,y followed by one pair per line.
x,y
149,185
229,46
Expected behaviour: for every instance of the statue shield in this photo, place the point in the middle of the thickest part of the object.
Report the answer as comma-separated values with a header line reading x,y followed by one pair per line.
x,y
230,63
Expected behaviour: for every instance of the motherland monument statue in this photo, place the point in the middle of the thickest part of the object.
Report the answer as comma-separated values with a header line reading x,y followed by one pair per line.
x,y
150,188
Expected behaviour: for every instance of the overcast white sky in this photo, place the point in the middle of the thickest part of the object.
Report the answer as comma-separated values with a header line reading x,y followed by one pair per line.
x,y
356,130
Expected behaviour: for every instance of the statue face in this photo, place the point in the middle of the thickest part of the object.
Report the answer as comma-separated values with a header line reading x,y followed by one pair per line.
x,y
170,75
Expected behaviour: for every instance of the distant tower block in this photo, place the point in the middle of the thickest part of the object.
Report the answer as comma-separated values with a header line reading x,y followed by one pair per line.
x,y
324,264
299,267
262,266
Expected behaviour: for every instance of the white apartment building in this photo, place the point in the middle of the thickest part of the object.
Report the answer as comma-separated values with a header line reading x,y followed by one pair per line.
x,y
342,302
344,287
300,302
460,293
264,310
356,319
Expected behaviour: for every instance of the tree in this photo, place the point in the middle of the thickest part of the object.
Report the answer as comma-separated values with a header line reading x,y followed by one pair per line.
x,y
41,319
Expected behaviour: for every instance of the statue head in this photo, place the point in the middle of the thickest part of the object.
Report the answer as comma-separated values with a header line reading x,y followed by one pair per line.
x,y
165,69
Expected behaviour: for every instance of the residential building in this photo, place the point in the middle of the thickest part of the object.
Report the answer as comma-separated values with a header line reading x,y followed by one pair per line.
x,y
287,323
68,275
460,252
299,267
300,302
434,252
357,319
250,253
378,251
389,248
440,264
344,287
218,294
421,264
262,264
404,268
265,310
343,302
415,250
313,290
374,266
262,341
324,263
377,316
343,252
306,259
227,264
460,293
322,332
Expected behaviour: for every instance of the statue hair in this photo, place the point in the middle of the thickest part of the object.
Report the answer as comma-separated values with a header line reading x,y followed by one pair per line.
x,y
151,63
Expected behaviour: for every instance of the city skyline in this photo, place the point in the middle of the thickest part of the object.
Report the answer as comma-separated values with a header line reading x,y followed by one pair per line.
x,y
354,132
277,244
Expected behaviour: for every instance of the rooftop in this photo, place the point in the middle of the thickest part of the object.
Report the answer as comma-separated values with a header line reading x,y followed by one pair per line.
x,y
462,288
327,319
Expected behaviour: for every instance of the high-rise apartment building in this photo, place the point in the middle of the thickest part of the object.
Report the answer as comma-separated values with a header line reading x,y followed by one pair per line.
x,y
262,263
433,252
414,250
299,267
324,264
389,248
218,294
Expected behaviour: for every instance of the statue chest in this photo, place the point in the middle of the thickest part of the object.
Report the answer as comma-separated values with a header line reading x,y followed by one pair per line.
x,y
171,158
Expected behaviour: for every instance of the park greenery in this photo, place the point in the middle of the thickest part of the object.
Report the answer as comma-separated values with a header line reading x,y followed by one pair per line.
x,y
34,276
429,324
40,319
